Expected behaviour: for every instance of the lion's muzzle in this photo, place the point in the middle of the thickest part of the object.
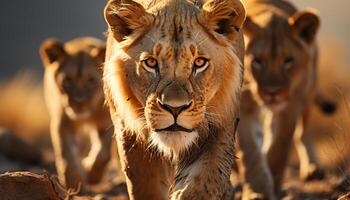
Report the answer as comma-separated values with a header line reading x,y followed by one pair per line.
x,y
175,111
175,100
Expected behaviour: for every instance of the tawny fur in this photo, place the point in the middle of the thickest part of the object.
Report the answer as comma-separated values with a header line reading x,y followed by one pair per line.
x,y
163,164
75,101
280,86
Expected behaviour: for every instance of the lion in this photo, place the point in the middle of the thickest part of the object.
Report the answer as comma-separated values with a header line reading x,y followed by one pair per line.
x,y
75,101
172,80
280,85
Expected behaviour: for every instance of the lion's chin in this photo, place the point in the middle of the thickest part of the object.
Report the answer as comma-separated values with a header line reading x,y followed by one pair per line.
x,y
173,143
276,106
75,115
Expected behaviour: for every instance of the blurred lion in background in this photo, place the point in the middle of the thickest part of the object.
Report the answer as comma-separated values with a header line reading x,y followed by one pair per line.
x,y
280,88
75,101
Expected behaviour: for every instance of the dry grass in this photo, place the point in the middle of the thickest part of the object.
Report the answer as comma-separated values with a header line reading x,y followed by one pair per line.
x,y
22,107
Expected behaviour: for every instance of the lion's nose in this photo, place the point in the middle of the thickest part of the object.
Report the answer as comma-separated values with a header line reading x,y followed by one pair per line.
x,y
175,98
272,90
175,109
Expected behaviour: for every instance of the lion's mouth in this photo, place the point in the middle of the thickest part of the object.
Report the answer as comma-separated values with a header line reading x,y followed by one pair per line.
x,y
175,128
78,113
272,102
277,105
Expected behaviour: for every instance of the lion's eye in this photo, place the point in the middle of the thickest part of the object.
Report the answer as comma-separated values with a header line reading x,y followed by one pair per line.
x,y
67,82
150,64
257,64
200,64
91,82
288,63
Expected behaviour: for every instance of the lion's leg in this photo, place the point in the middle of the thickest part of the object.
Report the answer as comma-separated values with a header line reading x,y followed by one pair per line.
x,y
308,168
206,175
146,174
99,155
301,150
253,168
69,168
283,124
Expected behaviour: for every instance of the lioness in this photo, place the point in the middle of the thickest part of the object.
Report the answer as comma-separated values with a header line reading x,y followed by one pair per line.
x,y
74,97
280,85
172,80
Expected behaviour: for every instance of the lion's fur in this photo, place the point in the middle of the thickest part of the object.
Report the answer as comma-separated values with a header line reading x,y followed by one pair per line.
x,y
175,32
280,86
74,98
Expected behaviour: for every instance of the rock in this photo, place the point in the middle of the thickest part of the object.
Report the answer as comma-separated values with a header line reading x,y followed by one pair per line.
x,y
27,185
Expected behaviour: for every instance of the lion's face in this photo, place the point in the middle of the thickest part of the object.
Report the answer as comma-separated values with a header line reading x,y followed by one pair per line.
x,y
173,72
178,80
76,75
280,55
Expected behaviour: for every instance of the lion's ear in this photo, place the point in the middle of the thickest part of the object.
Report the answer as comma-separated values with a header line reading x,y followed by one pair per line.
x,y
305,24
127,18
224,17
250,27
51,50
99,53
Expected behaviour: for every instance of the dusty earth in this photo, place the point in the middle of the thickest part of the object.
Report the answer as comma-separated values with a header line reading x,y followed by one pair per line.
x,y
28,172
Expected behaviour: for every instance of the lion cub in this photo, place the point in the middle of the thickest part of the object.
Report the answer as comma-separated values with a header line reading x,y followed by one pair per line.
x,y
75,100
280,85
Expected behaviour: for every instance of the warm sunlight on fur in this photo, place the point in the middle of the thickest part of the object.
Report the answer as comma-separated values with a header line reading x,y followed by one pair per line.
x,y
280,80
140,114
172,80
75,101
173,142
175,99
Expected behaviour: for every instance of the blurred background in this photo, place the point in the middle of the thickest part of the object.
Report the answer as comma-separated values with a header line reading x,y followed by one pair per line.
x,y
24,25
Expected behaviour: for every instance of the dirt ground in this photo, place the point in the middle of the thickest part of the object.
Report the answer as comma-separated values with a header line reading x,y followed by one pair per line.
x,y
331,187
27,185
32,176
